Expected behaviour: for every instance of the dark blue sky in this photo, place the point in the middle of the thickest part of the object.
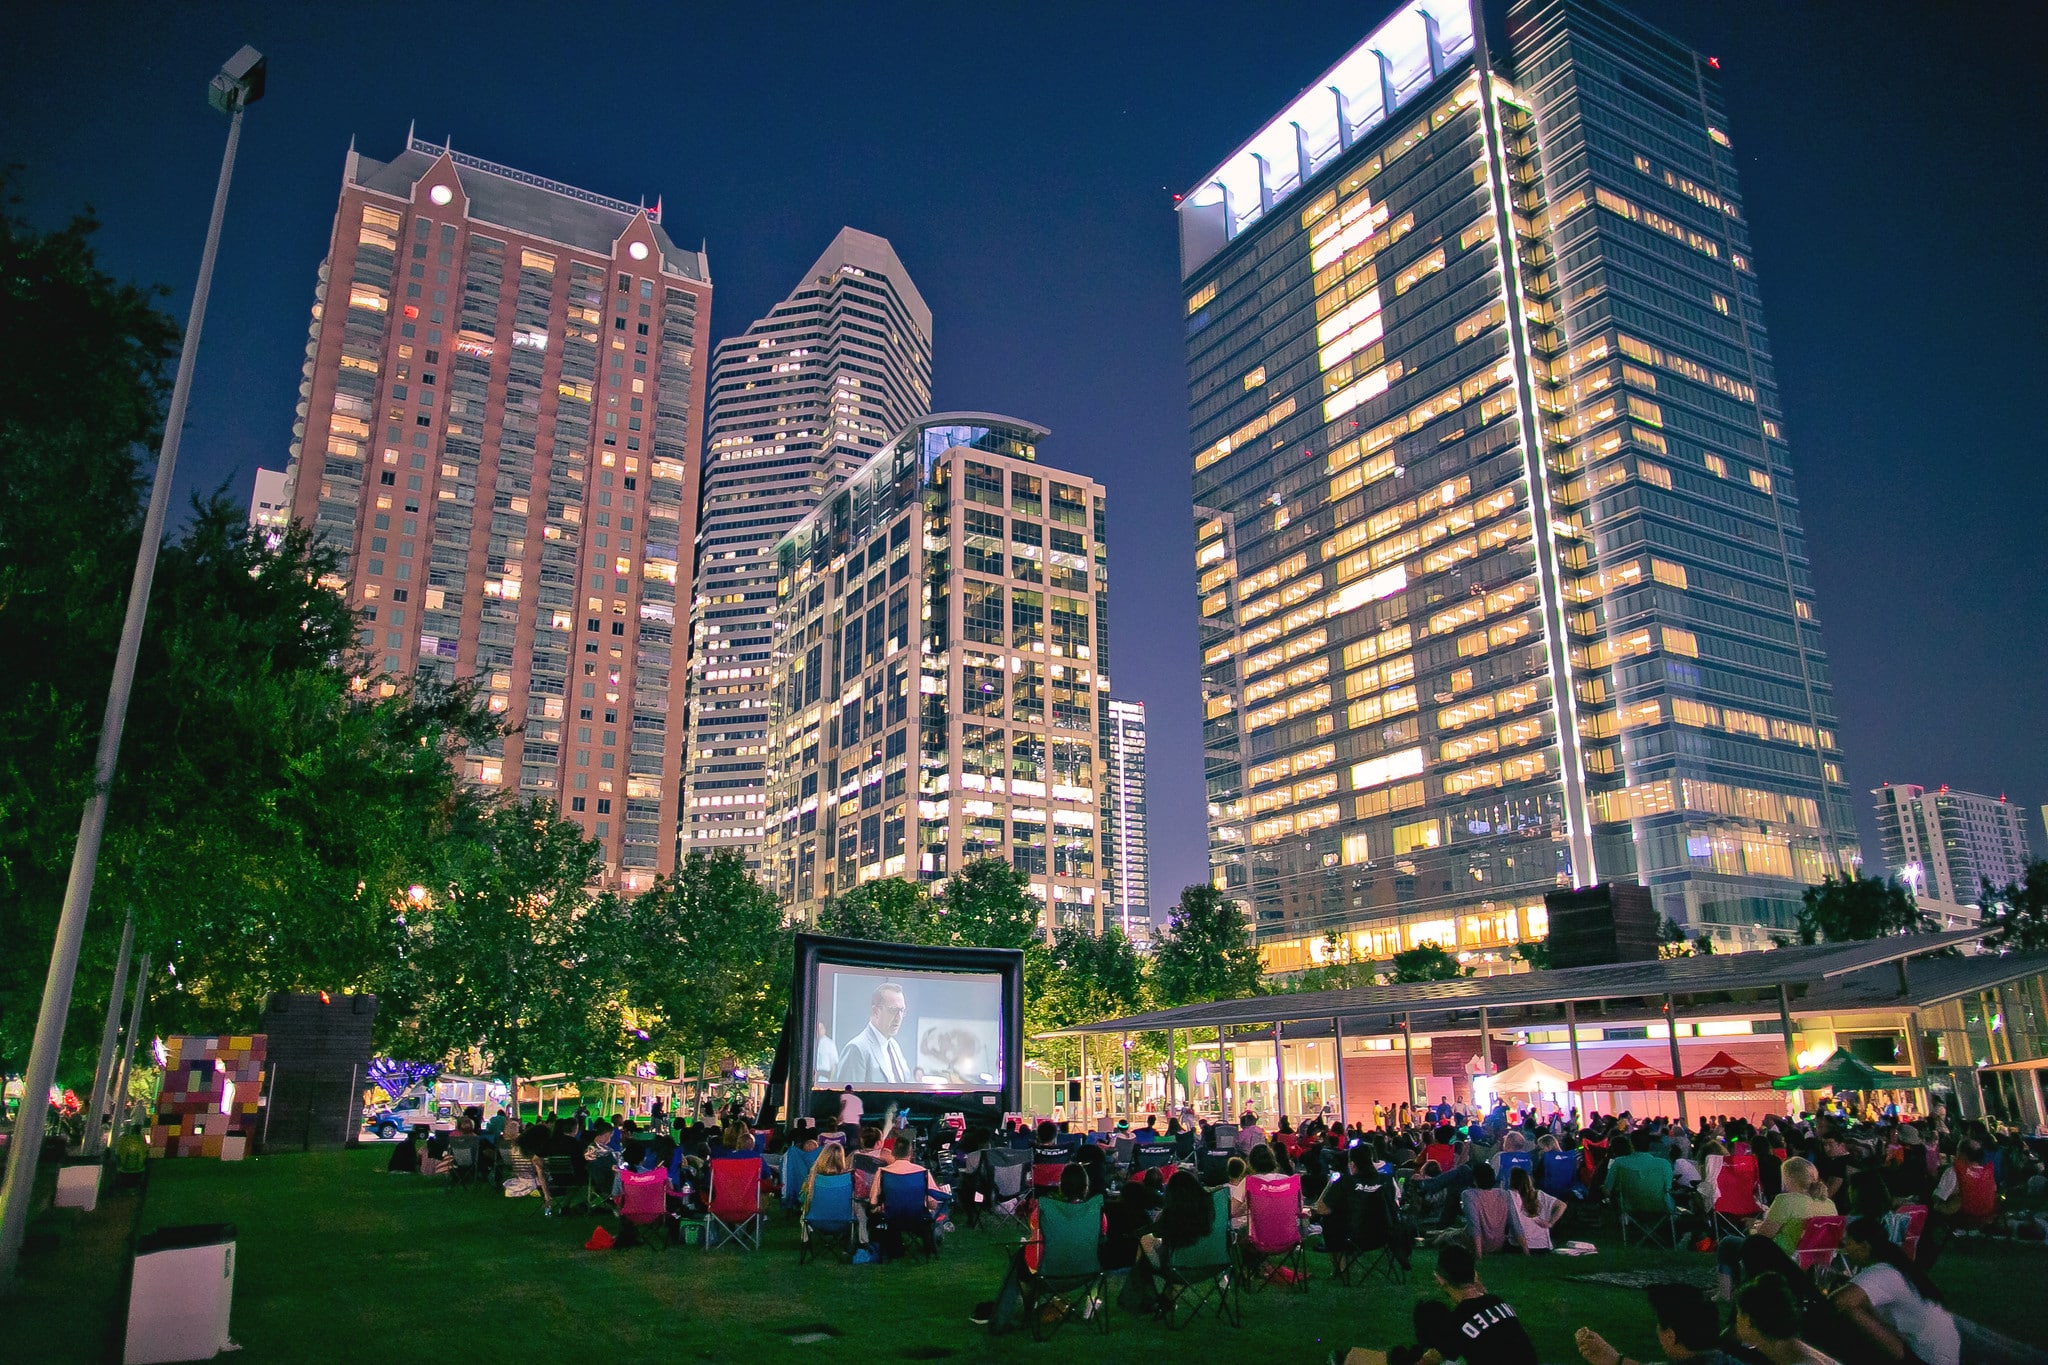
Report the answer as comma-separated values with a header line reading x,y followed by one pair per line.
x,y
1023,160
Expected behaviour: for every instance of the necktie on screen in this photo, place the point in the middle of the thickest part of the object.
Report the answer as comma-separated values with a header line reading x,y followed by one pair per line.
x,y
894,1061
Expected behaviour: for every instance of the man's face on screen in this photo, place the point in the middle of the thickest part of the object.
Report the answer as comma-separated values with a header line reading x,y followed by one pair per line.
x,y
886,1013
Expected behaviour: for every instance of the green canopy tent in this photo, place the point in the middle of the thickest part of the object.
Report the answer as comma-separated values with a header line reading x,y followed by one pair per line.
x,y
1843,1072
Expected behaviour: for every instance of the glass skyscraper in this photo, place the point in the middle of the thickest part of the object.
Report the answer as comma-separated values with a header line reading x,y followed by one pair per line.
x,y
1502,582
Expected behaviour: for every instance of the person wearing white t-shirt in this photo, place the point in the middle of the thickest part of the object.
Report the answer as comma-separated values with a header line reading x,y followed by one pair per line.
x,y
1892,1301
1535,1212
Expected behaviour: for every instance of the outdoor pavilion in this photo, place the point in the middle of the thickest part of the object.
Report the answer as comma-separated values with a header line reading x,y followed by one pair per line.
x,y
1933,1020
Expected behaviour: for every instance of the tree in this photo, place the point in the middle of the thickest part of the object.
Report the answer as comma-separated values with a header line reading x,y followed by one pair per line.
x,y
1078,977
1338,971
1536,954
1671,940
1427,962
1852,908
988,904
886,910
2020,912
707,959
1207,953
511,959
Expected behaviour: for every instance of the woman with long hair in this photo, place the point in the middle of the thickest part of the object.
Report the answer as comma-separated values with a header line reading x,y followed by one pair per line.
x,y
1535,1212
1892,1302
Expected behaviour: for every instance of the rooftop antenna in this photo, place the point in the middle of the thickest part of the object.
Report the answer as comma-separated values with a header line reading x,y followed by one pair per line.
x,y
410,125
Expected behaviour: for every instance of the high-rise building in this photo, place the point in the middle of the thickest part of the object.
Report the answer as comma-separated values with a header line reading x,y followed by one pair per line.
x,y
941,683
499,432
799,401
1123,815
270,507
1947,844
1502,582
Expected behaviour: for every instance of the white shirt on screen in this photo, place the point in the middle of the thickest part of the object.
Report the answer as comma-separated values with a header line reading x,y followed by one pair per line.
x,y
825,1060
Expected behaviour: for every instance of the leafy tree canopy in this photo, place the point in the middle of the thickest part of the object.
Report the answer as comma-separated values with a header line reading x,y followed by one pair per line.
x,y
1206,953
1427,962
2020,911
1853,908
707,958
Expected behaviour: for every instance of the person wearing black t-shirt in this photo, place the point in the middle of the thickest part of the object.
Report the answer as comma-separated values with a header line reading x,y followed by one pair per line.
x,y
1482,1328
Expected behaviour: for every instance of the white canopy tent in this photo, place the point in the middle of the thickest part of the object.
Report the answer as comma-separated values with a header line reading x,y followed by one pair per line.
x,y
1530,1078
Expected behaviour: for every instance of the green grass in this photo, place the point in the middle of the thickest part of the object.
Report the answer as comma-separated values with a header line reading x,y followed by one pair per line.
x,y
340,1262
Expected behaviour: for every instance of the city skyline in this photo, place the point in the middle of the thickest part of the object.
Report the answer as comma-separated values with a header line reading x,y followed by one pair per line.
x,y
1860,474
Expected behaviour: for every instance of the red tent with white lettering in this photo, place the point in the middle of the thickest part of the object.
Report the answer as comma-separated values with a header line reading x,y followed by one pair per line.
x,y
1724,1075
1627,1073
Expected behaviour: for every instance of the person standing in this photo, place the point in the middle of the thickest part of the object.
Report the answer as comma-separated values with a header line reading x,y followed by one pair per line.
x,y
851,1110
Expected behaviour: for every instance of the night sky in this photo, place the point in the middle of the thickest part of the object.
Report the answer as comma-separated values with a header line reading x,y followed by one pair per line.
x,y
1023,158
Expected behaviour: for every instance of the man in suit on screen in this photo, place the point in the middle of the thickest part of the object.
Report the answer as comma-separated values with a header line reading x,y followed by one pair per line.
x,y
872,1055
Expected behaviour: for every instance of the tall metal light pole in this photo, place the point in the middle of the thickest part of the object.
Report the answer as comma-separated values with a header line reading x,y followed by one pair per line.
x,y
239,84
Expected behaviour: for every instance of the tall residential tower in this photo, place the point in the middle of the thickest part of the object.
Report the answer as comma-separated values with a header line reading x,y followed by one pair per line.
x,y
1123,816
498,430
1949,843
941,684
1502,582
798,402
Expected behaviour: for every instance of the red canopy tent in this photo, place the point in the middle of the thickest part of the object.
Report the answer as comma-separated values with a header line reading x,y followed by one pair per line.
x,y
1627,1073
1724,1075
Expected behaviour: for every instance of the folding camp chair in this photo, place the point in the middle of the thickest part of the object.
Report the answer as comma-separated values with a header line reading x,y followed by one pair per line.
x,y
1123,1153
1557,1174
1646,1211
1155,1156
1199,1276
643,1203
1272,1247
560,1183
1820,1242
734,1210
1069,1266
1211,1166
796,1168
904,1205
1225,1137
463,1153
1906,1224
597,1183
830,1220
1735,1201
1370,1242
1508,1161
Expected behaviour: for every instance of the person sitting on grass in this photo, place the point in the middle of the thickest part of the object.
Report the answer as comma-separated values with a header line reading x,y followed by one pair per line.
x,y
1767,1322
405,1157
1533,1212
1892,1303
1480,1328
1688,1330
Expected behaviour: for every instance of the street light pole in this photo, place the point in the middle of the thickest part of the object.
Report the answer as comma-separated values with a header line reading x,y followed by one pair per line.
x,y
238,85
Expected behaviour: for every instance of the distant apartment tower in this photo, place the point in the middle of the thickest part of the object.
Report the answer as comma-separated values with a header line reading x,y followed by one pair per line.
x,y
270,509
799,401
1949,843
499,433
1502,585
1123,823
941,686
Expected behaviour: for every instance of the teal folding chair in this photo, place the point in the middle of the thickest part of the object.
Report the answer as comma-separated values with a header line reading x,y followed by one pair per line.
x,y
1200,1276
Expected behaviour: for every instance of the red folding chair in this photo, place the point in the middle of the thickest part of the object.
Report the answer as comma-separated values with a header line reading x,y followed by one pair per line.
x,y
643,1202
1820,1241
734,1211
1906,1225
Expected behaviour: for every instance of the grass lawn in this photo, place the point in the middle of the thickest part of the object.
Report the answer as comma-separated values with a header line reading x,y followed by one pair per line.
x,y
339,1262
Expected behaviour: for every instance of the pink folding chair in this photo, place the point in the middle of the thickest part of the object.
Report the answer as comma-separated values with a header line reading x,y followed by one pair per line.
x,y
643,1202
1272,1248
1735,1187
1820,1241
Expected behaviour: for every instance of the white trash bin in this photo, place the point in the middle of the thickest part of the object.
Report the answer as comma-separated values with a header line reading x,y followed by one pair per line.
x,y
183,1287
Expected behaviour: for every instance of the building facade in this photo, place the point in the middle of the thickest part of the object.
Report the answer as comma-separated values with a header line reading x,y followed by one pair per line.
x,y
1123,825
1947,844
270,509
1502,585
941,684
498,432
799,401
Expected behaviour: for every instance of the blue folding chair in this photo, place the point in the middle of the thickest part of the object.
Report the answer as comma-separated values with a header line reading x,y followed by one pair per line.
x,y
796,1168
1156,1156
1510,1160
830,1217
1558,1174
906,1211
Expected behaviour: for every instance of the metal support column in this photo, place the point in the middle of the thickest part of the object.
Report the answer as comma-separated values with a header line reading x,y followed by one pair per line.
x,y
1172,1080
128,1046
1279,1078
1677,1072
1571,1028
1408,1057
103,1074
1485,1050
1343,1108
1791,1051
